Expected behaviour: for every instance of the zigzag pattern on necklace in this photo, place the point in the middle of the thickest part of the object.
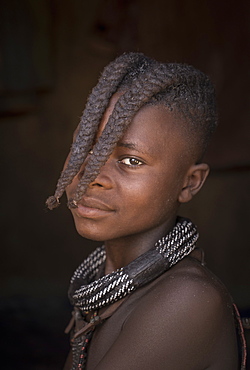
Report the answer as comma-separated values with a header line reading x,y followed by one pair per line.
x,y
94,294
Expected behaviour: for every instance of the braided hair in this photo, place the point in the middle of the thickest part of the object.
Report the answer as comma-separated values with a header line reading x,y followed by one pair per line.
x,y
142,81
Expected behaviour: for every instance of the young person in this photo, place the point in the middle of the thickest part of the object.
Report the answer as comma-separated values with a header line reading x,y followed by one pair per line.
x,y
144,300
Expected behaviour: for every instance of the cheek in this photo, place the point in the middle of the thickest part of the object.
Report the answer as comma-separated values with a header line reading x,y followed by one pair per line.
x,y
165,193
149,198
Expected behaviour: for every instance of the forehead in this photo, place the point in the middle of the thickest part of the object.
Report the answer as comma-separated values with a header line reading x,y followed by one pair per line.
x,y
158,130
115,97
149,117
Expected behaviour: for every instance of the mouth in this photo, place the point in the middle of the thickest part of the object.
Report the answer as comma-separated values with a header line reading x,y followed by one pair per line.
x,y
92,208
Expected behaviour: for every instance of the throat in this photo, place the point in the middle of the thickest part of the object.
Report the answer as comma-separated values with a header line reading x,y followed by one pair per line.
x,y
119,253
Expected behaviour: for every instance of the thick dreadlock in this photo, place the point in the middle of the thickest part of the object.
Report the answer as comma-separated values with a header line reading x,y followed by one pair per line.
x,y
143,81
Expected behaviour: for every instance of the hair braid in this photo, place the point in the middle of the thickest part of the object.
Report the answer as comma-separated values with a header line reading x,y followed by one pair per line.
x,y
142,81
95,107
146,85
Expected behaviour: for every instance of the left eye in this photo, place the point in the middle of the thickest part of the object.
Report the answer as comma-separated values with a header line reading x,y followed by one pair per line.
x,y
131,162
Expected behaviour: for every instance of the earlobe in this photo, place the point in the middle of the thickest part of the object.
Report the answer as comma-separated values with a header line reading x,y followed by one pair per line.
x,y
195,178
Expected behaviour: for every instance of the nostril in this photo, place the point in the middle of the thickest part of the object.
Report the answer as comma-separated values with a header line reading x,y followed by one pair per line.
x,y
95,184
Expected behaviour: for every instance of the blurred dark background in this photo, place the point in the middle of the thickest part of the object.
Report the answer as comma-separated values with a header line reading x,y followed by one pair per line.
x,y
51,54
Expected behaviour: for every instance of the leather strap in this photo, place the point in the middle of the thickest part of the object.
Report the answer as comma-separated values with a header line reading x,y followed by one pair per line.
x,y
94,322
241,337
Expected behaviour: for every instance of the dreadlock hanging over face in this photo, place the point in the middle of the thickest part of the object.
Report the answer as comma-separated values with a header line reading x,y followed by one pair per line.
x,y
143,81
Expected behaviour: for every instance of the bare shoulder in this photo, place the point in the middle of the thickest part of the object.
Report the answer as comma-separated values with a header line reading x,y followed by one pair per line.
x,y
190,310
190,291
183,320
193,284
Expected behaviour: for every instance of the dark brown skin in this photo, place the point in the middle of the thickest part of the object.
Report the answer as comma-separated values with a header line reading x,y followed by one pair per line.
x,y
130,205
186,320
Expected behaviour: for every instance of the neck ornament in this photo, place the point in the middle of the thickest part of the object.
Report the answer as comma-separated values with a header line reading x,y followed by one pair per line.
x,y
89,293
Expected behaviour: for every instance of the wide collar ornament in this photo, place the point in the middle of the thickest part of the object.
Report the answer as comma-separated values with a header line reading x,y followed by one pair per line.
x,y
89,293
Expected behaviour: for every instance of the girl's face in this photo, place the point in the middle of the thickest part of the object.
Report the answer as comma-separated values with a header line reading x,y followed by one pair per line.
x,y
137,190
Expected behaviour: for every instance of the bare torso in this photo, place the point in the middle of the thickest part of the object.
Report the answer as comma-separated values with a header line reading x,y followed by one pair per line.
x,y
182,320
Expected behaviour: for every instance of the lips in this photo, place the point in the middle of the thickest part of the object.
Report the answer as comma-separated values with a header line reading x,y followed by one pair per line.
x,y
94,203
92,208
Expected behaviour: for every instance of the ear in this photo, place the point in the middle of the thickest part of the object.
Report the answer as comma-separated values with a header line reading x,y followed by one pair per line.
x,y
194,180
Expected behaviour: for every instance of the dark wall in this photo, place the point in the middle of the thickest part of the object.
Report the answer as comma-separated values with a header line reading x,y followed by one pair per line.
x,y
51,55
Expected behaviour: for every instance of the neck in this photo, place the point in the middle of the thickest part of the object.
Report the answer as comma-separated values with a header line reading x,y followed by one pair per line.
x,y
120,252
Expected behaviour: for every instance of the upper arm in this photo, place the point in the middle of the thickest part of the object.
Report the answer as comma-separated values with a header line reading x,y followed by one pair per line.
x,y
176,326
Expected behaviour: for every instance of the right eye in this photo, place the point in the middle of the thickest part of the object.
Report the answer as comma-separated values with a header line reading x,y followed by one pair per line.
x,y
131,162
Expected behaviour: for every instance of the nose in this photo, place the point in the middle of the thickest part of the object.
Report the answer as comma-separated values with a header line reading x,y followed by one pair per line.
x,y
104,179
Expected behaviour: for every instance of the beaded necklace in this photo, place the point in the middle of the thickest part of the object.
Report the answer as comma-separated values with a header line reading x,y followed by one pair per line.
x,y
89,293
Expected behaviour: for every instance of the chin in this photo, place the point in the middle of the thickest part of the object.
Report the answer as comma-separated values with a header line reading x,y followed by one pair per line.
x,y
90,233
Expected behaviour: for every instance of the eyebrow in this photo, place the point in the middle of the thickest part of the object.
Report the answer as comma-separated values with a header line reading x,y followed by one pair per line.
x,y
132,146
